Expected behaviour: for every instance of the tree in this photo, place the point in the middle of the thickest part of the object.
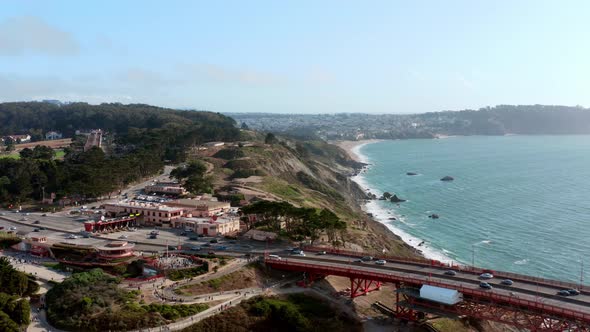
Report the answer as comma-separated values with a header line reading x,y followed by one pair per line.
x,y
10,145
193,178
43,152
270,139
26,153
244,126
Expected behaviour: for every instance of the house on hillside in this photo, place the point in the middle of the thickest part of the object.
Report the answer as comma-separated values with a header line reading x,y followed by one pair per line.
x,y
19,138
52,135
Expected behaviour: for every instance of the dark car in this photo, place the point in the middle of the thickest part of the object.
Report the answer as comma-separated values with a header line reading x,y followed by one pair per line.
x,y
451,273
214,241
182,233
573,292
366,258
153,236
36,230
36,222
171,247
507,282
44,215
211,252
485,285
206,245
563,292
194,238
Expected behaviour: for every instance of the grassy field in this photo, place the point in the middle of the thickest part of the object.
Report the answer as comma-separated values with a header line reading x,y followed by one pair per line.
x,y
13,155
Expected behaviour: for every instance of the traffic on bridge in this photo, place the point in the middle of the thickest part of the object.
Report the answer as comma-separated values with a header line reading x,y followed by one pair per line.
x,y
522,301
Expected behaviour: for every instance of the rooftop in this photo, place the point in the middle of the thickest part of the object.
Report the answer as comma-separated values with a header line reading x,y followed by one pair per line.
x,y
144,205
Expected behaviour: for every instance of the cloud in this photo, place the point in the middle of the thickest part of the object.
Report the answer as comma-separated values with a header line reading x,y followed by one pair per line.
x,y
33,35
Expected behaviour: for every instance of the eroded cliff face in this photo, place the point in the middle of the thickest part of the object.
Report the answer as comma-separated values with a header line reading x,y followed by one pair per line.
x,y
317,174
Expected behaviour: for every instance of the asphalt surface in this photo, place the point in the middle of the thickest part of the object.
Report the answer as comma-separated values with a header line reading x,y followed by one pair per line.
x,y
520,289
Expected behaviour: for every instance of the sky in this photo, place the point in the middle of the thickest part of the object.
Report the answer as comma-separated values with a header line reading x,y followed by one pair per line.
x,y
297,56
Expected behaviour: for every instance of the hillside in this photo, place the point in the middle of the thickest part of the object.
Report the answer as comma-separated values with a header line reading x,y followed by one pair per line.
x,y
306,174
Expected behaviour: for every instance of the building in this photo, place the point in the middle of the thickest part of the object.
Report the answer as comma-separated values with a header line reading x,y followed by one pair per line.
x,y
258,235
166,188
210,226
115,250
145,213
52,135
19,138
214,144
199,208
105,225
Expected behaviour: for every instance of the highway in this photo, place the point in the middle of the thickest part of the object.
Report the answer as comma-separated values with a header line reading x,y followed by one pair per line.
x,y
522,290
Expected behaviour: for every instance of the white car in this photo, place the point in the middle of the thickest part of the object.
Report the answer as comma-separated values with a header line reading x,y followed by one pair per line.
x,y
72,237
381,262
486,276
123,237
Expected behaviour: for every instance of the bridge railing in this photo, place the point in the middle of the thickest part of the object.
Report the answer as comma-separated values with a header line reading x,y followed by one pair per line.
x,y
394,277
465,268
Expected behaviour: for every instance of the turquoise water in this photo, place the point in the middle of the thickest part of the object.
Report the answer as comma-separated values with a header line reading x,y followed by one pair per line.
x,y
518,203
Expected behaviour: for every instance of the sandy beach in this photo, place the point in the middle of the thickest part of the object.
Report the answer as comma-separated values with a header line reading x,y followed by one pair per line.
x,y
350,147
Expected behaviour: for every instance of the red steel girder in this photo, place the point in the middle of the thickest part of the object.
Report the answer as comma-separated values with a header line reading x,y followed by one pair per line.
x,y
360,287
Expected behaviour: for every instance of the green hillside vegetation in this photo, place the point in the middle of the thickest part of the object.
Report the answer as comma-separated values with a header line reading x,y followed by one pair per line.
x,y
143,138
92,301
296,312
14,285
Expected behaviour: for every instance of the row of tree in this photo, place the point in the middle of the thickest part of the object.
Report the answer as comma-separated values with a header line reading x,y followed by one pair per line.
x,y
297,223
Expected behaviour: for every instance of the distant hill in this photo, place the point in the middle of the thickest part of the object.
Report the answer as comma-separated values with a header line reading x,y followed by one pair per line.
x,y
499,120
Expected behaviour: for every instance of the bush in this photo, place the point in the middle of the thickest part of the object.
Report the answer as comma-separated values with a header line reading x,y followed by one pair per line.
x,y
229,154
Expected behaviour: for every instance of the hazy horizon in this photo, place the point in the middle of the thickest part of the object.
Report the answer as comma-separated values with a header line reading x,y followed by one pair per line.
x,y
299,57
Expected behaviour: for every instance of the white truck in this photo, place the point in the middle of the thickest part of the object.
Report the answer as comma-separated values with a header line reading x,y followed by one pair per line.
x,y
441,295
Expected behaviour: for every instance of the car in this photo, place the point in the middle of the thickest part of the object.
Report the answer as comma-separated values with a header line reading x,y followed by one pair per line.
x,y
322,253
36,230
451,272
201,235
12,228
221,248
182,233
366,258
27,214
44,215
381,262
214,241
277,257
153,236
23,219
563,292
2,214
207,245
71,237
211,252
486,276
42,228
123,236
36,222
195,248
154,233
357,261
171,247
485,285
194,238
573,292
301,254
507,282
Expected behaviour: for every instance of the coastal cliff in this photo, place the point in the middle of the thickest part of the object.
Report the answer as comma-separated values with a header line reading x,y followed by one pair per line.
x,y
309,174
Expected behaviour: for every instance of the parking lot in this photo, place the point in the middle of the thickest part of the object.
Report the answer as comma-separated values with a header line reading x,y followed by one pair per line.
x,y
62,228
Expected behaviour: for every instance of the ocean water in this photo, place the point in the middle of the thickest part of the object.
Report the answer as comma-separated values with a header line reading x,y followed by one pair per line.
x,y
518,203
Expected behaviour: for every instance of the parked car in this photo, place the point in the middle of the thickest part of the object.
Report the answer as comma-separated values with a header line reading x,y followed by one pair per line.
x,y
182,233
486,275
123,236
195,248
44,215
71,237
153,236
171,247
573,292
211,252
36,230
12,228
207,245
507,282
322,253
366,258
451,272
563,292
214,241
485,285
36,222
380,262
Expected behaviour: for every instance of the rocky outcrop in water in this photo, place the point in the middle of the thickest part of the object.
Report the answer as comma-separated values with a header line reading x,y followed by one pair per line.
x,y
434,216
411,173
395,199
447,178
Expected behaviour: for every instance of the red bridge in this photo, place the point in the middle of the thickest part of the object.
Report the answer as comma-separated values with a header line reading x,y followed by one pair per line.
x,y
530,303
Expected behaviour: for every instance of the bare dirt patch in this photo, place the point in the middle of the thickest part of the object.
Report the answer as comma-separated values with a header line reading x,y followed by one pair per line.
x,y
248,277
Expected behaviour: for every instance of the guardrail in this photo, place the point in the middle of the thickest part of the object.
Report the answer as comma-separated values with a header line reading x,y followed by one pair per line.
x,y
464,268
393,277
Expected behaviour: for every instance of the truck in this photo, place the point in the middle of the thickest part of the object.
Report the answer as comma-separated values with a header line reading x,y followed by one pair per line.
x,y
441,295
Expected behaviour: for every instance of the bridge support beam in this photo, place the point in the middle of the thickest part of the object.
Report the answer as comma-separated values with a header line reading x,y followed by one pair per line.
x,y
360,287
402,312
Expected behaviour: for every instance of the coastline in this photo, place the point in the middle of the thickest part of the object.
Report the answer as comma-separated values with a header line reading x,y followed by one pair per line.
x,y
381,215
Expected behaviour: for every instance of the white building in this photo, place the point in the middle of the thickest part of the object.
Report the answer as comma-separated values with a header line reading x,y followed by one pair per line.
x,y
53,135
209,226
